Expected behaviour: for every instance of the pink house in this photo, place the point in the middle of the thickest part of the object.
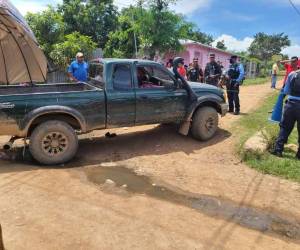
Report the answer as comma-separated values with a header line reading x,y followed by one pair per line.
x,y
201,51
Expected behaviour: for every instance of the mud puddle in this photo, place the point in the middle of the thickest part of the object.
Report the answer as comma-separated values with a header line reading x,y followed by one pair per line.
x,y
249,217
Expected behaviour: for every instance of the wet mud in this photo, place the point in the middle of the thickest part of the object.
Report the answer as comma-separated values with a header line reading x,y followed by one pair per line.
x,y
273,223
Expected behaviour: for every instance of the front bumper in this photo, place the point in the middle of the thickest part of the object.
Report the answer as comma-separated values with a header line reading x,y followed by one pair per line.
x,y
224,109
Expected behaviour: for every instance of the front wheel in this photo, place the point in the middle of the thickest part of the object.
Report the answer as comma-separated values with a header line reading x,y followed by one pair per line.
x,y
53,142
205,123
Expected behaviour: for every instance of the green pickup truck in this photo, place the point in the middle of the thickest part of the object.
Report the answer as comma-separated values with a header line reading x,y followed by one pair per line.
x,y
119,93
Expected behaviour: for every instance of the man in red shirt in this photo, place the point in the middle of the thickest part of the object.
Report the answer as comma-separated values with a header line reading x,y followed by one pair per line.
x,y
290,66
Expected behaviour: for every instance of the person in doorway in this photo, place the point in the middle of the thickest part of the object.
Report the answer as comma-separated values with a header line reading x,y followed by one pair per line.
x,y
235,77
275,72
78,70
291,113
212,71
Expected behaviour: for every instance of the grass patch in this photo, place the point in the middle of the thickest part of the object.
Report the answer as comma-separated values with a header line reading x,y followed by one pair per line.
x,y
287,167
262,80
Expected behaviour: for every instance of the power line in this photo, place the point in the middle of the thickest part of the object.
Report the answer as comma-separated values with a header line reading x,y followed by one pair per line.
x,y
294,6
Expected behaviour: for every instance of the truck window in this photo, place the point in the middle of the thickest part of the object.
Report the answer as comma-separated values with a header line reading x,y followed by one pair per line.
x,y
122,79
96,74
154,77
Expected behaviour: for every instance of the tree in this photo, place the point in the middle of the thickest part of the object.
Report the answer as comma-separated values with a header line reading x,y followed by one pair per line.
x,y
94,18
265,46
121,43
221,45
65,51
48,27
191,31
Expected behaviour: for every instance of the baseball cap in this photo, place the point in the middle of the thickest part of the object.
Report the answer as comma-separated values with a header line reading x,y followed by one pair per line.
x,y
79,54
294,58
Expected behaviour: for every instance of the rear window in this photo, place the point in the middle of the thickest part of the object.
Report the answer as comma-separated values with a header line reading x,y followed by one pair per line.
x,y
96,73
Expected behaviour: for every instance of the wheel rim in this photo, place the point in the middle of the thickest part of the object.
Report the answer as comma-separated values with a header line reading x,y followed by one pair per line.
x,y
55,143
210,124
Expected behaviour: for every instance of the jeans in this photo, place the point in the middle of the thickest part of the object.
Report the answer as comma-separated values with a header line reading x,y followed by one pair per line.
x,y
233,97
290,117
274,80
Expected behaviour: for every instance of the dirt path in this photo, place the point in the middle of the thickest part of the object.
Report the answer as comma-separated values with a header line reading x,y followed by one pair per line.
x,y
167,192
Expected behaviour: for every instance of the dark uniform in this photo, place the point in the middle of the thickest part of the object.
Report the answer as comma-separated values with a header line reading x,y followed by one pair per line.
x,y
194,74
236,76
212,73
291,113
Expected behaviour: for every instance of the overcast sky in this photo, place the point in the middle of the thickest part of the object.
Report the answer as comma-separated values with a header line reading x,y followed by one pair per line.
x,y
234,21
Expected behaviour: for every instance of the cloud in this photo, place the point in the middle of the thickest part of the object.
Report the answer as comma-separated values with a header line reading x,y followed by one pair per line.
x,y
191,6
233,43
33,5
293,50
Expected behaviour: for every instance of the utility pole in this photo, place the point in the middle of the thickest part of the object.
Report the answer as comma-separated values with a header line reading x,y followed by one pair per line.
x,y
134,36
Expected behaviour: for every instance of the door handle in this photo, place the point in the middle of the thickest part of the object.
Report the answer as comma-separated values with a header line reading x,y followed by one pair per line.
x,y
7,105
144,97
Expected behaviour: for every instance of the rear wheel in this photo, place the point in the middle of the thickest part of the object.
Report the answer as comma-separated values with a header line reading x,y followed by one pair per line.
x,y
53,142
205,123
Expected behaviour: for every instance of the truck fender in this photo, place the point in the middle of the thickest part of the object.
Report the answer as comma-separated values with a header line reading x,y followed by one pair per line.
x,y
31,116
186,124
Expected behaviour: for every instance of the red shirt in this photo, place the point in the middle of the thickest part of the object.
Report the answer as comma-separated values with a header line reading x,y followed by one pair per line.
x,y
182,71
288,69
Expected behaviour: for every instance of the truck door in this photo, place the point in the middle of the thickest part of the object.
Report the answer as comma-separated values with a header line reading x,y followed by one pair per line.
x,y
12,111
120,96
157,98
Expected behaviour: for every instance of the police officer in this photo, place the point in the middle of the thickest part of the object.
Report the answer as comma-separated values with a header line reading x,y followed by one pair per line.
x,y
291,113
194,73
212,71
235,75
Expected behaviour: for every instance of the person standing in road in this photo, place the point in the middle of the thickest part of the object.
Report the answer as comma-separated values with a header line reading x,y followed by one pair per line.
x,y
290,66
275,72
291,113
78,70
235,74
193,73
212,71
182,70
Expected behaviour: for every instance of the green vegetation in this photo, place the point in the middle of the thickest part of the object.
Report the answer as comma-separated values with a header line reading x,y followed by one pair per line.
x,y
287,167
147,28
63,52
262,80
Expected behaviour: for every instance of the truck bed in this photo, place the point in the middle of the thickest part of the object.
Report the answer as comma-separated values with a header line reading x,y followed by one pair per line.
x,y
44,88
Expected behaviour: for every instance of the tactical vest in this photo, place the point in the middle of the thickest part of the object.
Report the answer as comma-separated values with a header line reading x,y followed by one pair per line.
x,y
295,85
234,71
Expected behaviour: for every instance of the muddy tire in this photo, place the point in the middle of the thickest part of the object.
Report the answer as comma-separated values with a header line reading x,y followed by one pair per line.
x,y
205,123
53,142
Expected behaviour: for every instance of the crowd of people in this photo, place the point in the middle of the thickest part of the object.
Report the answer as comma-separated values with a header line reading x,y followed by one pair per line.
x,y
193,72
214,74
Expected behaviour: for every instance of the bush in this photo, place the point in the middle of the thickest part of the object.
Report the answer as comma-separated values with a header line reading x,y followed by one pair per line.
x,y
63,52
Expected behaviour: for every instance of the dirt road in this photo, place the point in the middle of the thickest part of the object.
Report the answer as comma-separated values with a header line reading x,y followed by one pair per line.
x,y
150,188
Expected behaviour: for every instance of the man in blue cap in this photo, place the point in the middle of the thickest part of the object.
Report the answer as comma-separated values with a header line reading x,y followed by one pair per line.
x,y
78,70
291,113
236,75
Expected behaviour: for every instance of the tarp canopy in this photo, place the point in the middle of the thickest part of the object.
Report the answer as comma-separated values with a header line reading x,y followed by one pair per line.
x,y
21,58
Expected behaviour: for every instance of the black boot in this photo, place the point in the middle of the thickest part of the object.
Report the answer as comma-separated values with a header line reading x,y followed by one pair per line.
x,y
276,153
